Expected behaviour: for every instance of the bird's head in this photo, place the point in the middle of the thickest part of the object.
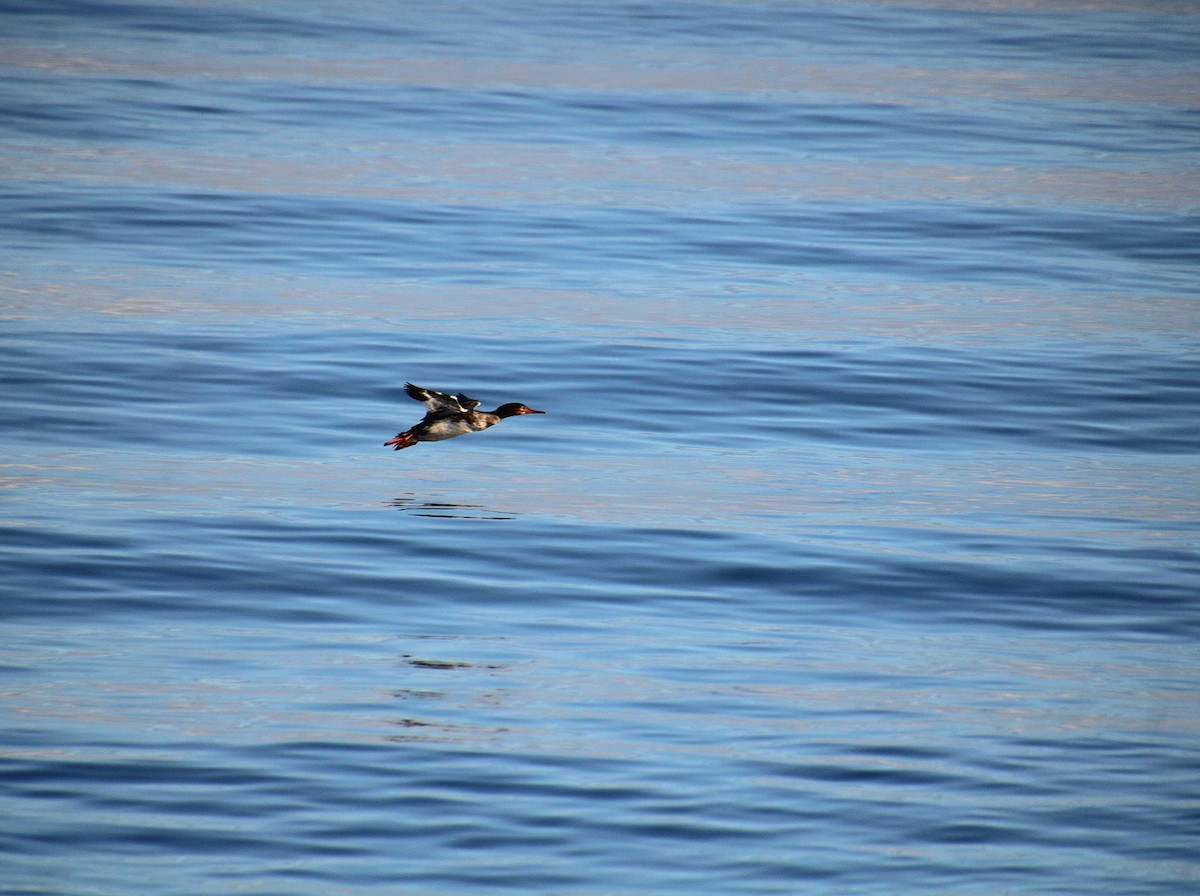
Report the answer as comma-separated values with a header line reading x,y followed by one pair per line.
x,y
514,409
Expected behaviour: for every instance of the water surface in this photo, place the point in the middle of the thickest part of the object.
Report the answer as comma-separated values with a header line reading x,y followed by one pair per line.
x,y
857,551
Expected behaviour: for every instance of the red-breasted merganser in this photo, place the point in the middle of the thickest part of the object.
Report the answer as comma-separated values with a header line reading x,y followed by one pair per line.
x,y
447,416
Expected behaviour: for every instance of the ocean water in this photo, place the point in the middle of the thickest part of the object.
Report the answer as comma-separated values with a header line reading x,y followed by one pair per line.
x,y
858,550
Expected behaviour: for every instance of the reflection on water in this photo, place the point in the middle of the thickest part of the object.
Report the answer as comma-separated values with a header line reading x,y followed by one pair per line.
x,y
415,506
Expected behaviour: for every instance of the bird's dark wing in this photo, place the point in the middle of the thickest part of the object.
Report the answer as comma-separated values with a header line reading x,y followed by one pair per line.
x,y
440,402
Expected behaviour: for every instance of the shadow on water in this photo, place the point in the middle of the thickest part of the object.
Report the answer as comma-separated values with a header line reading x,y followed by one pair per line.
x,y
417,507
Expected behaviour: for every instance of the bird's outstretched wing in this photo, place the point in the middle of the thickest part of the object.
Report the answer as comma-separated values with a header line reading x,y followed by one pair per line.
x,y
439,402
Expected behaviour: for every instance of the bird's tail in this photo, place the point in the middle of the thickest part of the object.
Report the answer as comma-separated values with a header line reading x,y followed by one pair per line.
x,y
403,440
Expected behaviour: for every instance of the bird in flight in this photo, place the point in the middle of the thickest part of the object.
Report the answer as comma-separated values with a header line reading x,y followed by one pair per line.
x,y
447,416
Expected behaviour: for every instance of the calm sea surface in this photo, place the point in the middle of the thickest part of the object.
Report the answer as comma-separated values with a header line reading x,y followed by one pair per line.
x,y
857,553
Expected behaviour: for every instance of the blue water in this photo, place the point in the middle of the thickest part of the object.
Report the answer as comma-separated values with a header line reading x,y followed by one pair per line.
x,y
858,551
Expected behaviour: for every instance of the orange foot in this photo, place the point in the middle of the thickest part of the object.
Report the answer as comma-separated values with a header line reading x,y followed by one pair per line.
x,y
404,440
